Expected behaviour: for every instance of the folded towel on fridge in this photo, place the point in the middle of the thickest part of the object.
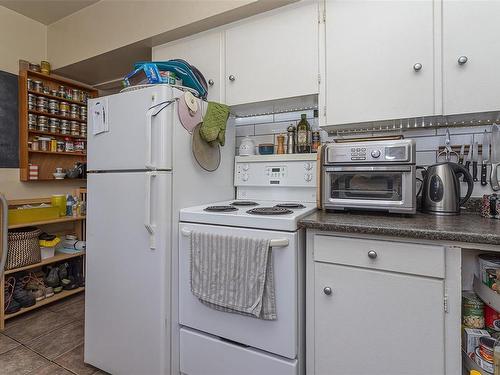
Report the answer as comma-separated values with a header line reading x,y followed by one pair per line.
x,y
233,274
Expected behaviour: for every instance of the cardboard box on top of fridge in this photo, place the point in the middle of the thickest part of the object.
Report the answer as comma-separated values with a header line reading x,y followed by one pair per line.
x,y
470,338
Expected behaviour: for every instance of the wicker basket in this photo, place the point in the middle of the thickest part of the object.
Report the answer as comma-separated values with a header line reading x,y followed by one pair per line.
x,y
24,248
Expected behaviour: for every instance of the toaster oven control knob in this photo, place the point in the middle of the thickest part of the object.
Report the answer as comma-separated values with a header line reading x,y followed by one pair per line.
x,y
245,177
327,290
308,177
375,154
308,166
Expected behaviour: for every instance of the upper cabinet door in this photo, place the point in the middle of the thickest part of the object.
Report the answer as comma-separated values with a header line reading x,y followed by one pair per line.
x,y
471,50
273,55
203,51
379,60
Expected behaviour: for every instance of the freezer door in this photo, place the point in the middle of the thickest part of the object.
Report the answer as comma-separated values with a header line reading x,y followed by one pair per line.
x,y
128,272
132,130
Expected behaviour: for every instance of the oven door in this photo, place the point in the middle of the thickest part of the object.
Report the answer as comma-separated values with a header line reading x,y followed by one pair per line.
x,y
390,188
278,336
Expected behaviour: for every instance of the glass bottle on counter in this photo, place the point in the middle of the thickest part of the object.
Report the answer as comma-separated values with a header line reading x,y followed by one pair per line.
x,y
303,135
315,133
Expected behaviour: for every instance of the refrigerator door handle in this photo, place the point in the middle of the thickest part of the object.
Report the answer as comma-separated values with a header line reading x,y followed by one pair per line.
x,y
149,130
150,227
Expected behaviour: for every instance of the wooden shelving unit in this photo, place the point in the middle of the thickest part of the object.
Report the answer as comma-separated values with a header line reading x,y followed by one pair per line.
x,y
63,225
47,161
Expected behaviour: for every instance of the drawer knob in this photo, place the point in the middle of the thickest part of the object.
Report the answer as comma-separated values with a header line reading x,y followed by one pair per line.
x,y
232,78
462,60
372,254
211,82
417,67
327,290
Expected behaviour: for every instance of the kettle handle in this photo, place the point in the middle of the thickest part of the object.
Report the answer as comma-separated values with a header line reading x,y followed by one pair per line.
x,y
459,169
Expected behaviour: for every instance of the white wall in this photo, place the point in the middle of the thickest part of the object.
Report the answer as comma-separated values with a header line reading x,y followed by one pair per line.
x,y
23,38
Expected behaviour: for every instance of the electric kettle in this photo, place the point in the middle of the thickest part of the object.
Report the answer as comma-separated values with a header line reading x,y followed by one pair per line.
x,y
441,188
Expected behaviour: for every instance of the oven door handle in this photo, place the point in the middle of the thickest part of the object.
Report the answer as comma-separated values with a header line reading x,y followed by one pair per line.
x,y
385,168
280,242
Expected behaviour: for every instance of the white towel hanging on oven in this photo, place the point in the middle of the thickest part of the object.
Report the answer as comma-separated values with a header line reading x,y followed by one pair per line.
x,y
233,274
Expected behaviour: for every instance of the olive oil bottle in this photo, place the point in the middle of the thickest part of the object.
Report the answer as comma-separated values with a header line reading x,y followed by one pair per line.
x,y
303,135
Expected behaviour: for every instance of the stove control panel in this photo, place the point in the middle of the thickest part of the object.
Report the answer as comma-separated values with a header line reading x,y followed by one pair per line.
x,y
297,173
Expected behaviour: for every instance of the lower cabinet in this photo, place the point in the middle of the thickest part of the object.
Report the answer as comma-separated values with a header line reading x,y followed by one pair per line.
x,y
378,307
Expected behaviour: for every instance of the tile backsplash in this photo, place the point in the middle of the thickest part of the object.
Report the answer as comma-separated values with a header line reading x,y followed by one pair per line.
x,y
263,129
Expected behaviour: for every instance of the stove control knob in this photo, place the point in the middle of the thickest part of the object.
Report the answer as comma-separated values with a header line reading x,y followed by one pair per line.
x,y
375,154
308,166
245,167
308,177
245,177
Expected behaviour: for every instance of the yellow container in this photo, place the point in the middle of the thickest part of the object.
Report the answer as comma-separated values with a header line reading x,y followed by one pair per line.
x,y
33,214
59,200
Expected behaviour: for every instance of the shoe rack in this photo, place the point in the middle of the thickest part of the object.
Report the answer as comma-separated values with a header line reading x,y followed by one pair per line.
x,y
60,226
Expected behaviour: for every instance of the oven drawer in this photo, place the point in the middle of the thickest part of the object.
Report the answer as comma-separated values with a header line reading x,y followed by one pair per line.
x,y
201,354
401,257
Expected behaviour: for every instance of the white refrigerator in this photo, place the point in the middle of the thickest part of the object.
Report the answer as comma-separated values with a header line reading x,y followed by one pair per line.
x,y
141,172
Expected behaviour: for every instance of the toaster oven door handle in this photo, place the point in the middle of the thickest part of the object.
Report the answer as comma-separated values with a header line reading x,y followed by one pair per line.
x,y
367,168
278,242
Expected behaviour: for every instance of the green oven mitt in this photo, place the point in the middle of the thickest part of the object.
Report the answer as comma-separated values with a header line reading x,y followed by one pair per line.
x,y
213,128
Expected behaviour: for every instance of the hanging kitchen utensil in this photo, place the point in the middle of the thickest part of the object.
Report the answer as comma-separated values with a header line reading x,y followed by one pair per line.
x,y
495,157
461,155
485,156
475,158
448,151
189,111
207,156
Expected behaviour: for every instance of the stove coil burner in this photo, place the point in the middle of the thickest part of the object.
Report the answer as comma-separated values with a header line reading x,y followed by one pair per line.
x,y
244,203
290,205
220,208
269,211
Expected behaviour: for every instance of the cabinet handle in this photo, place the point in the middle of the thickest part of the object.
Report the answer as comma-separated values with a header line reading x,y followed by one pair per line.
x,y
327,290
417,67
462,60
232,78
372,254
211,82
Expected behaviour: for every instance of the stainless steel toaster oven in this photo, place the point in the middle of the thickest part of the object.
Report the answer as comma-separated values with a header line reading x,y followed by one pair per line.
x,y
372,175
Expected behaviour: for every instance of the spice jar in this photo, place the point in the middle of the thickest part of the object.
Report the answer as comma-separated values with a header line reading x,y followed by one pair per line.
x,y
79,146
75,93
54,125
34,67
34,144
29,84
68,145
53,145
38,86
64,108
53,106
41,104
75,128
83,130
60,146
83,111
46,90
45,67
53,92
62,92
43,123
64,127
31,101
32,120
44,143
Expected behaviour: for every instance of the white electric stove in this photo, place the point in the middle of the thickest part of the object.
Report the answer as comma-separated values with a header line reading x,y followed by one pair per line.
x,y
273,194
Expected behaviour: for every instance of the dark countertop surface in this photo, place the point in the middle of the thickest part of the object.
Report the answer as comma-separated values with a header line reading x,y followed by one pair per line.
x,y
467,227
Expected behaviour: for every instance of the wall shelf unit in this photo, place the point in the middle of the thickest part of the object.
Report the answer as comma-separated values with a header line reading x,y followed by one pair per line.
x,y
48,161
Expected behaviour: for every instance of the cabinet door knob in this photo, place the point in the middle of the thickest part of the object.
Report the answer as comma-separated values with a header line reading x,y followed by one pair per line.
x,y
232,78
417,67
372,254
462,60
211,82
327,290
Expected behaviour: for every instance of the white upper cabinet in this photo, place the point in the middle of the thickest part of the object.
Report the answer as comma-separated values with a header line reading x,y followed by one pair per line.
x,y
203,51
471,51
379,60
273,55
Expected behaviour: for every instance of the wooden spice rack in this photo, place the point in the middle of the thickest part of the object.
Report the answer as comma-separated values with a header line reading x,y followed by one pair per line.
x,y
47,161
63,225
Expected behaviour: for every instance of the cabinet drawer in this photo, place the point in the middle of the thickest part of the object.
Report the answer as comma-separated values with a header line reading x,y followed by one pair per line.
x,y
202,354
401,257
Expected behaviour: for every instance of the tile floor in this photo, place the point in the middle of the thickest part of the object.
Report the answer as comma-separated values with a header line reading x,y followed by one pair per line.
x,y
46,341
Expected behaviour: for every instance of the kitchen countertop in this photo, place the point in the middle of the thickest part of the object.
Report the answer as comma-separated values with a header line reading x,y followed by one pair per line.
x,y
467,227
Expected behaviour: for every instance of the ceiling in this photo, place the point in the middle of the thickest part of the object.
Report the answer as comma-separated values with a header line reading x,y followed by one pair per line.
x,y
46,11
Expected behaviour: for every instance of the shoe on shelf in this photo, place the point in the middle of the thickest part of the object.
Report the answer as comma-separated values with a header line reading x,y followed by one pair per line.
x,y
63,271
10,304
78,271
49,291
70,282
24,297
52,277
34,283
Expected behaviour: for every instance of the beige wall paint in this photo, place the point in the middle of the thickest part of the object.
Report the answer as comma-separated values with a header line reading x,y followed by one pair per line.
x,y
23,38
111,24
